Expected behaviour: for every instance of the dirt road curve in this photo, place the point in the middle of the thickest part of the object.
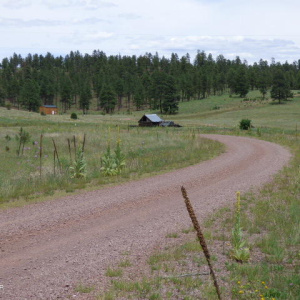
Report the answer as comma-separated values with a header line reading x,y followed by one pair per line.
x,y
46,248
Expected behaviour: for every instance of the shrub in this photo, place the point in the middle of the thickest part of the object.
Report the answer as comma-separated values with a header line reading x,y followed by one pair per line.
x,y
8,106
112,164
245,124
78,169
108,163
43,113
74,116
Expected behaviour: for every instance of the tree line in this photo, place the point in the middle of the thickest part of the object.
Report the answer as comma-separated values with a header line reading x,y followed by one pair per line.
x,y
134,83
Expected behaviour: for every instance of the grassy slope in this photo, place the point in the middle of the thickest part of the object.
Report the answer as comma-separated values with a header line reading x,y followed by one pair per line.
x,y
232,110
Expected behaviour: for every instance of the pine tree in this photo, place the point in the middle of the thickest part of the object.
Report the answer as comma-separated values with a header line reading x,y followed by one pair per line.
x,y
157,89
262,83
108,99
241,83
2,96
66,93
139,95
170,96
47,86
85,97
30,95
280,87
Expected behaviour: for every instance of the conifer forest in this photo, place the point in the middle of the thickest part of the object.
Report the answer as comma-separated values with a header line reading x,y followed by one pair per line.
x,y
131,83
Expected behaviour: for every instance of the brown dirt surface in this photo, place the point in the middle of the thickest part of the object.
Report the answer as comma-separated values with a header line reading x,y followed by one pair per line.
x,y
47,248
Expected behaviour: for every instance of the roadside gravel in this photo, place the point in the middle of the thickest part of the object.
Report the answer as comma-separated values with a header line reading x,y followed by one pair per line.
x,y
47,248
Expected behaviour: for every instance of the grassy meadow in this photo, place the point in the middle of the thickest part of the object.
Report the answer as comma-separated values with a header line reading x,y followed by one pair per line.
x,y
270,222
32,175
226,112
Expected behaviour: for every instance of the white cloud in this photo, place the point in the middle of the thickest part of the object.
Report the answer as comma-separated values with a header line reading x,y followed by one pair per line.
x,y
16,4
98,36
10,22
87,39
88,4
129,16
88,21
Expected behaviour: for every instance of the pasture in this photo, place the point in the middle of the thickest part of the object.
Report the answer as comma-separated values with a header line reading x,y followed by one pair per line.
x,y
33,175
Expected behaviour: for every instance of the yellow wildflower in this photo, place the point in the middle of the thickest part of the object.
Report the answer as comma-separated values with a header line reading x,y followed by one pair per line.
x,y
241,292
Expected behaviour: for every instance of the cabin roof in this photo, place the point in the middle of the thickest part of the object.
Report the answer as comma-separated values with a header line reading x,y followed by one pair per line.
x,y
49,106
154,118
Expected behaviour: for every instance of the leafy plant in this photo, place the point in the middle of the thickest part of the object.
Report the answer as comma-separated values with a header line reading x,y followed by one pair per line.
x,y
109,166
119,157
239,252
112,164
23,137
245,124
78,169
74,116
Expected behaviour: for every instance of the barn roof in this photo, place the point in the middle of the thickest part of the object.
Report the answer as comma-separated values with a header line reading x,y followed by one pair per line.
x,y
154,118
49,106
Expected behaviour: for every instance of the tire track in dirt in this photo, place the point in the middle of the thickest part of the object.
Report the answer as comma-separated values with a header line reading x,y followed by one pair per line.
x,y
46,248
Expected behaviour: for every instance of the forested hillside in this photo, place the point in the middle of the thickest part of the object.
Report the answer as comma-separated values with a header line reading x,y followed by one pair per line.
x,y
134,83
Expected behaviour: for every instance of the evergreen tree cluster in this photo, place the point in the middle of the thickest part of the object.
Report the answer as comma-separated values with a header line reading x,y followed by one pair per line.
x,y
131,82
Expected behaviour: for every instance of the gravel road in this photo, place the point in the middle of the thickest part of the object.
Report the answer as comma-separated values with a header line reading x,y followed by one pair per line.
x,y
47,248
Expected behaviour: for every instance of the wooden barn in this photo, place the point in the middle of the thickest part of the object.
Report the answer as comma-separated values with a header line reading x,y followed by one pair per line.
x,y
49,109
150,120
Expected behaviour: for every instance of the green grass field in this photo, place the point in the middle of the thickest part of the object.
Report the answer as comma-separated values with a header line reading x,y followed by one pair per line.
x,y
147,151
231,110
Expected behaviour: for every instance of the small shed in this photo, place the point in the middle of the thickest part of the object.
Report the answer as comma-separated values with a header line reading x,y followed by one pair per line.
x,y
49,109
150,120
169,124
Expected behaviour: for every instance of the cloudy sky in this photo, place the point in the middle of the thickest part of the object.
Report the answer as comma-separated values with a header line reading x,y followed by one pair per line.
x,y
251,29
